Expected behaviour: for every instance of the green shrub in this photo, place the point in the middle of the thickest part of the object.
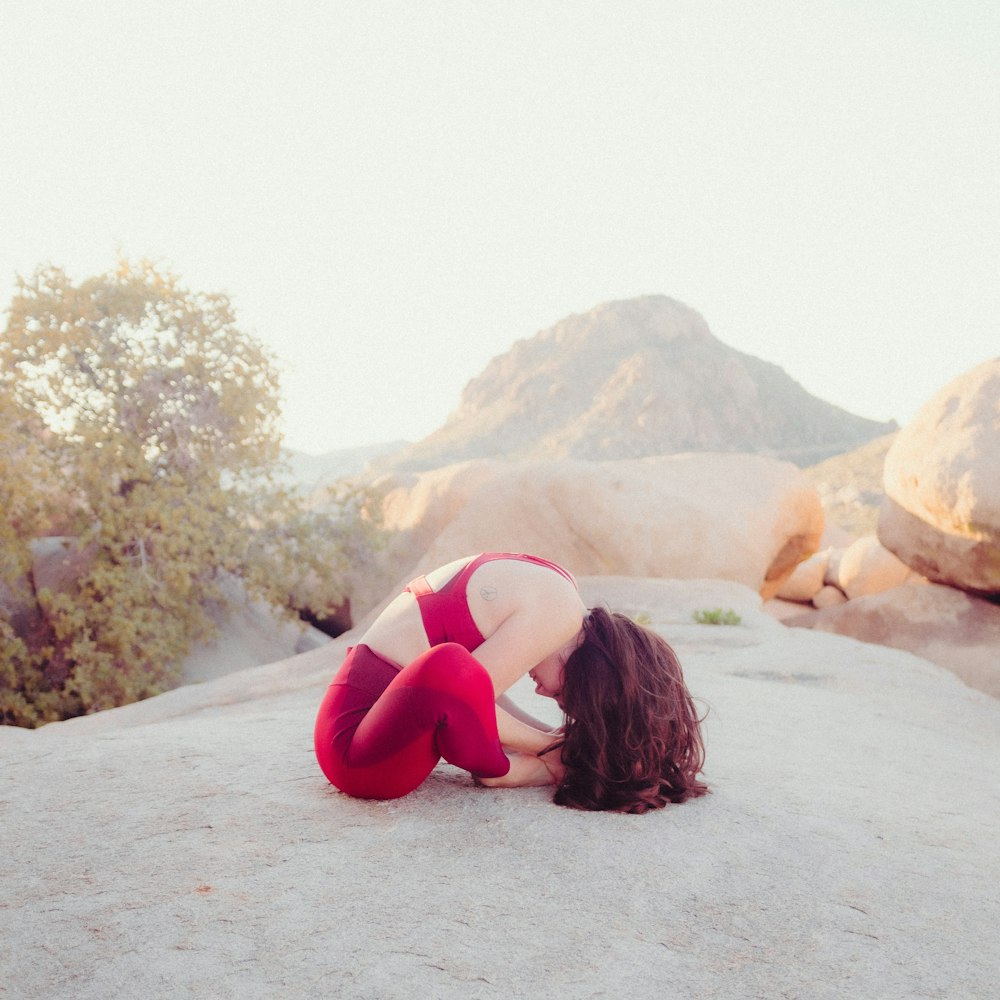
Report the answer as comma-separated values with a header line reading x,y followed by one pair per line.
x,y
717,616
144,424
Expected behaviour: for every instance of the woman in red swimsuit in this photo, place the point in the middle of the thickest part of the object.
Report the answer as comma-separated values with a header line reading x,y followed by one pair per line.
x,y
411,692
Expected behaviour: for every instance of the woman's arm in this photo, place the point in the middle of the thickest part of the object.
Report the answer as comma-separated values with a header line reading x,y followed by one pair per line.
x,y
512,708
519,736
541,623
528,770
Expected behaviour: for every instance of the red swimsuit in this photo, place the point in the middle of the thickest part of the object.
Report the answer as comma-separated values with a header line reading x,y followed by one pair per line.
x,y
382,728
445,612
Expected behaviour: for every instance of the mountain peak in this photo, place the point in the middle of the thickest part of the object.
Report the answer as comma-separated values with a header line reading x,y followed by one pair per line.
x,y
648,318
631,378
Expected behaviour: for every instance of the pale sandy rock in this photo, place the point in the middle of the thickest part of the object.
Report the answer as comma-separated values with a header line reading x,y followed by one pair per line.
x,y
806,579
834,536
780,609
669,602
867,567
950,627
744,518
846,850
417,508
941,514
831,574
850,486
250,633
828,596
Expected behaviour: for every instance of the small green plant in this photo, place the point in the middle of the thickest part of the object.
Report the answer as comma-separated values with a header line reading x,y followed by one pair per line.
x,y
642,618
717,616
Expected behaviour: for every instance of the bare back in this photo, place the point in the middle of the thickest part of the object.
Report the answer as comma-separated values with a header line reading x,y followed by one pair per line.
x,y
524,611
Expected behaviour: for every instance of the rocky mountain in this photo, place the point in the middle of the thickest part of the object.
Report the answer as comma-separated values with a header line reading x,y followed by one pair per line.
x,y
633,378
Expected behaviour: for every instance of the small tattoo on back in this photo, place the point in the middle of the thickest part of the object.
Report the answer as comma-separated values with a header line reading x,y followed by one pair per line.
x,y
488,593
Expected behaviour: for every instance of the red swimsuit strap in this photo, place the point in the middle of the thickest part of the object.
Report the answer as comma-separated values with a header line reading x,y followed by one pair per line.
x,y
461,579
445,613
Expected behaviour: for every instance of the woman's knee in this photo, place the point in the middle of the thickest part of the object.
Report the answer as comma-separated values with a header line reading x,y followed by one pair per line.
x,y
450,667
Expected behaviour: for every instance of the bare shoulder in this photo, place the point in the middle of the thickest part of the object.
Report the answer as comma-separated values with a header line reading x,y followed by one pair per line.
x,y
502,588
525,613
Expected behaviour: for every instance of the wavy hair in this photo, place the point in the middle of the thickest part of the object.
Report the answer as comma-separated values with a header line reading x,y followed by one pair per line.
x,y
632,739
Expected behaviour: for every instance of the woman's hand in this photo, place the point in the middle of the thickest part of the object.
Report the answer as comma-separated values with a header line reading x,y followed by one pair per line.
x,y
554,764
525,770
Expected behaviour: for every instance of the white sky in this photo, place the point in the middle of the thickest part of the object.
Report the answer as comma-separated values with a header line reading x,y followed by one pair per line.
x,y
394,192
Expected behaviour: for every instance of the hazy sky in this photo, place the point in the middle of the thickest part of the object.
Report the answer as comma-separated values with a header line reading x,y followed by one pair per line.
x,y
393,193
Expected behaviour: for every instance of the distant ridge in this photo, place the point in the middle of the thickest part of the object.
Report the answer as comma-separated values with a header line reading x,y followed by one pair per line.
x,y
311,472
628,379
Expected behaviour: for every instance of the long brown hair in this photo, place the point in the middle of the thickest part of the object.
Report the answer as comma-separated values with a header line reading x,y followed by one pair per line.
x,y
632,736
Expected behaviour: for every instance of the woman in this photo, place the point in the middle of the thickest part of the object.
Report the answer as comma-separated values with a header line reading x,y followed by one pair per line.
x,y
631,740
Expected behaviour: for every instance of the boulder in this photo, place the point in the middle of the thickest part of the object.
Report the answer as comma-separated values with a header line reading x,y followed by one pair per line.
x,y
745,518
781,609
867,567
941,513
834,536
828,596
956,630
806,579
249,633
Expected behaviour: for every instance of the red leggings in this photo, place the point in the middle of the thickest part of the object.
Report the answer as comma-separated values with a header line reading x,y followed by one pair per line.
x,y
381,729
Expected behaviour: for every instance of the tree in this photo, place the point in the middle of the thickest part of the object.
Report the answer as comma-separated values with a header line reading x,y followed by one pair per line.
x,y
24,697
155,443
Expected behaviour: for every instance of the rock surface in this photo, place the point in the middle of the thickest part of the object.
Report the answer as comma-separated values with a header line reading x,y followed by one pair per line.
x,y
745,518
189,847
828,596
250,634
850,485
956,630
632,378
941,514
866,567
807,579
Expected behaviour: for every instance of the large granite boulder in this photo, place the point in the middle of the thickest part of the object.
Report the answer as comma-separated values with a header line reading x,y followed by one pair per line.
x,y
248,633
956,630
866,567
745,518
807,579
941,514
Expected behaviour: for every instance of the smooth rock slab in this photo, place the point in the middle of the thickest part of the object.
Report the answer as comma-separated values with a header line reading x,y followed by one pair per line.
x,y
848,847
958,631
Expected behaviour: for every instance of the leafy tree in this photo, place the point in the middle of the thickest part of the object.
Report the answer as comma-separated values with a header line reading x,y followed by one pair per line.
x,y
152,422
23,698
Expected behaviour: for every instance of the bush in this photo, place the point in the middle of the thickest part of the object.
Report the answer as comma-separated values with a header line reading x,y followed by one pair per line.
x,y
717,617
144,425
